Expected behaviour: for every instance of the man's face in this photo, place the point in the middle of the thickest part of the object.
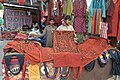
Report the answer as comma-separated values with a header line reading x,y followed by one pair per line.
x,y
51,22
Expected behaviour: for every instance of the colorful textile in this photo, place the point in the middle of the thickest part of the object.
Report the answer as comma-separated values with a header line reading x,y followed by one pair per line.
x,y
116,21
103,29
63,41
34,72
59,12
97,10
13,73
80,7
67,7
109,13
89,51
31,50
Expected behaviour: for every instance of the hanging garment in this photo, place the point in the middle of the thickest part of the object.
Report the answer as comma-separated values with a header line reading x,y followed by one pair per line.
x,y
67,7
43,6
21,2
58,12
89,19
80,7
97,10
116,21
103,30
115,56
109,12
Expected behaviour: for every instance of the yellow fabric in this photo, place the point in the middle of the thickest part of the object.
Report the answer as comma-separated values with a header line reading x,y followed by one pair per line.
x,y
67,7
58,74
34,72
99,20
101,56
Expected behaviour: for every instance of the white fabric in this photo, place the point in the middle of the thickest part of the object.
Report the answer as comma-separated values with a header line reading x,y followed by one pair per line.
x,y
68,28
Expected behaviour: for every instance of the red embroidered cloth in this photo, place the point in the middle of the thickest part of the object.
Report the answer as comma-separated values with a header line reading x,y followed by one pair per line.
x,y
63,41
90,49
31,51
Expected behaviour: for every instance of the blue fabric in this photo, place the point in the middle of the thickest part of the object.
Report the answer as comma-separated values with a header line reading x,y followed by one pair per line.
x,y
43,41
98,4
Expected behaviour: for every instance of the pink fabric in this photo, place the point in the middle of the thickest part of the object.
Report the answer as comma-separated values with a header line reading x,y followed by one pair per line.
x,y
103,30
80,15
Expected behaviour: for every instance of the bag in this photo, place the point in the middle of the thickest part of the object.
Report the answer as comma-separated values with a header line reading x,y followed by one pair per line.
x,y
89,67
14,65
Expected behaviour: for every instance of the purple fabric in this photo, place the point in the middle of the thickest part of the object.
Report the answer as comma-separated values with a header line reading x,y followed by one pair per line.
x,y
80,15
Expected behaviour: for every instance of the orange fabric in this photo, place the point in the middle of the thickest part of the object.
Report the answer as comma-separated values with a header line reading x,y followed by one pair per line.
x,y
2,0
116,21
118,37
99,20
93,22
89,50
63,41
32,53
21,1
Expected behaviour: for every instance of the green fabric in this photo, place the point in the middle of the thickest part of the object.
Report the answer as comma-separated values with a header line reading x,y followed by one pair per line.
x,y
98,4
1,6
68,7
1,21
80,38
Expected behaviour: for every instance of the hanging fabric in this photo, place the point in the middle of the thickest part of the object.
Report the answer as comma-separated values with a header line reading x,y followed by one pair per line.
x,y
116,20
43,8
57,14
109,12
2,0
80,7
55,8
97,10
67,7
103,29
21,2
